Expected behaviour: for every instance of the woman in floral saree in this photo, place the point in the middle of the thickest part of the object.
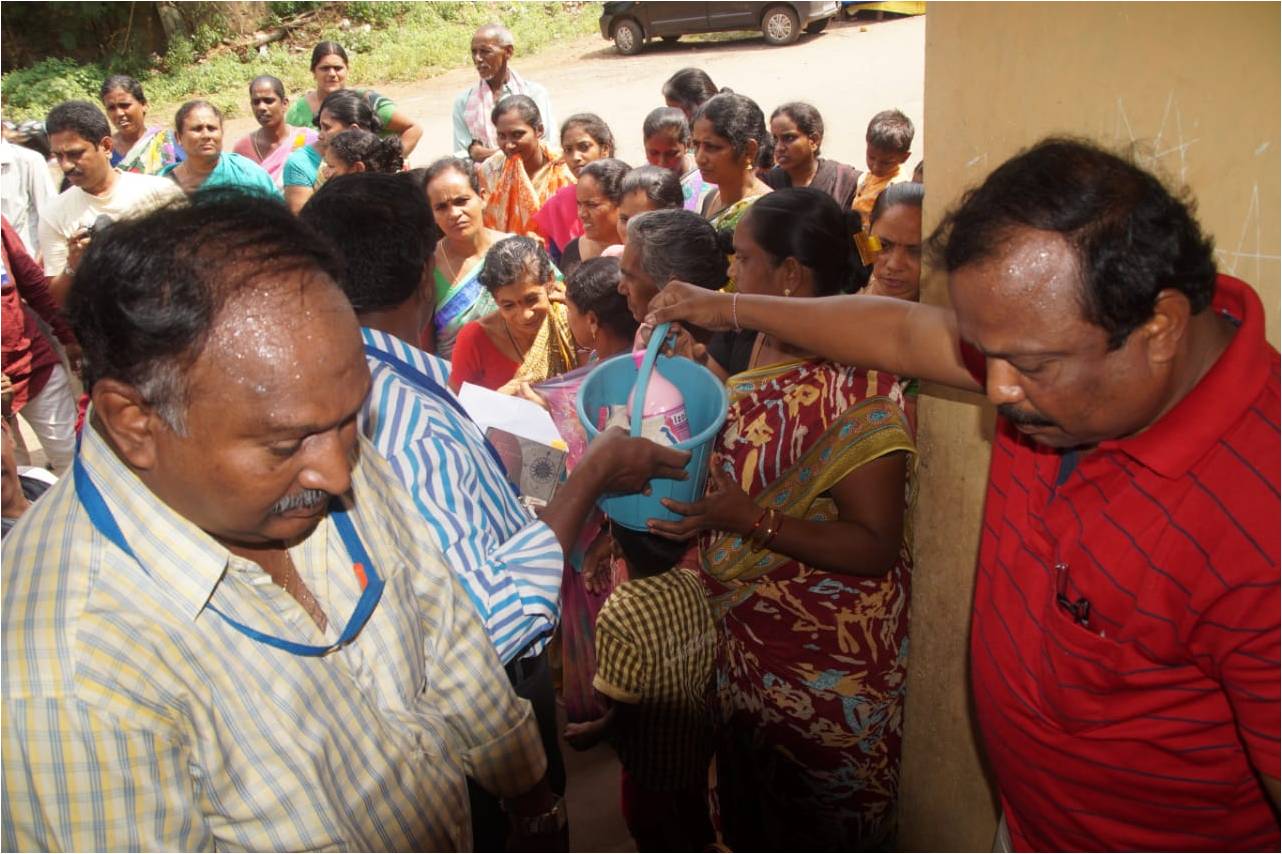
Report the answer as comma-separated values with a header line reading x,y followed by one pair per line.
x,y
136,147
805,563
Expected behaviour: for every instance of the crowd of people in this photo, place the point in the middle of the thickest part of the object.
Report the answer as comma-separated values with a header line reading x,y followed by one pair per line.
x,y
284,593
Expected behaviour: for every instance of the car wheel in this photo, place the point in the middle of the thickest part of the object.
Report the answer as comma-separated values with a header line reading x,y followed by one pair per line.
x,y
627,37
780,25
817,26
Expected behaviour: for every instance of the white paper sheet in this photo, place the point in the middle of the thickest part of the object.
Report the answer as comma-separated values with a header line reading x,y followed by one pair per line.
x,y
513,414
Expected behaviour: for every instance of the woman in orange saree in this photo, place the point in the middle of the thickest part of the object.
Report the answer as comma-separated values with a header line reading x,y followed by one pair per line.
x,y
525,172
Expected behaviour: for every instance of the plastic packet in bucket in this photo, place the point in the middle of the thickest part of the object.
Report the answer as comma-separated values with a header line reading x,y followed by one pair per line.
x,y
559,393
657,428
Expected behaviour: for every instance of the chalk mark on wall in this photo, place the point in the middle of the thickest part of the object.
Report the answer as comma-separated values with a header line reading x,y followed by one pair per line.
x,y
1234,260
1149,155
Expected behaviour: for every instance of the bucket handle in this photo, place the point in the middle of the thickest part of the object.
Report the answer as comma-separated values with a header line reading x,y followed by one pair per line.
x,y
643,375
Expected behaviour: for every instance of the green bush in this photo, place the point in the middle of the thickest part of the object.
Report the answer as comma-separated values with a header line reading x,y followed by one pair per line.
x,y
288,8
376,13
30,92
407,41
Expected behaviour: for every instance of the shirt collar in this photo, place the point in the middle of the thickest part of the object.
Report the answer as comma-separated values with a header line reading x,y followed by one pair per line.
x,y
1184,434
185,562
385,342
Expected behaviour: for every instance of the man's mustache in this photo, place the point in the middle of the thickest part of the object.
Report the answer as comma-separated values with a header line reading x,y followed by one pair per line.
x,y
1017,416
300,500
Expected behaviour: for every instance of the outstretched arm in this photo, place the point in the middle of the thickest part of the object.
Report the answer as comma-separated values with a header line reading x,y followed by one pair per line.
x,y
409,131
881,333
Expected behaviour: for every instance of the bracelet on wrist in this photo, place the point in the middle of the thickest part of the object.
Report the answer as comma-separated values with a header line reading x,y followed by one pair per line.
x,y
770,537
755,525
767,533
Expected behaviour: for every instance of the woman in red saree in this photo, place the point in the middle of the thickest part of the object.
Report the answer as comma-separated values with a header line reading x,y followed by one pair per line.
x,y
805,562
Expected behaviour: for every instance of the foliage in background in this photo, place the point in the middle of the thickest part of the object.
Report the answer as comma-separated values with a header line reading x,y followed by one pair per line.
x,y
404,42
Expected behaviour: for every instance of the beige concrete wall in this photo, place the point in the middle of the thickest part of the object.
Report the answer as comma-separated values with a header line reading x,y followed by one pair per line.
x,y
1193,90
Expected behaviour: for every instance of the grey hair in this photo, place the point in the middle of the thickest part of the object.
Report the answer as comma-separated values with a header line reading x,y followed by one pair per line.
x,y
500,33
661,186
164,387
511,259
678,244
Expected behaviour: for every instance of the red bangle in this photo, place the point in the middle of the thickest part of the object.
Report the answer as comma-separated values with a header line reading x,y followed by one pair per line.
x,y
757,524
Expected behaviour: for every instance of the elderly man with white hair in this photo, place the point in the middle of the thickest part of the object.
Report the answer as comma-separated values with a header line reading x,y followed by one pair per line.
x,y
474,134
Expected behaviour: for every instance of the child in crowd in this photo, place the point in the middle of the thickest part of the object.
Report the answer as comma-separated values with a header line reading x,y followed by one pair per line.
x,y
655,644
585,138
890,142
647,188
358,150
666,136
19,485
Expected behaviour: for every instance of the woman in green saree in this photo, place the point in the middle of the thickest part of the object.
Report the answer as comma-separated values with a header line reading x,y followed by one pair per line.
x,y
805,561
457,200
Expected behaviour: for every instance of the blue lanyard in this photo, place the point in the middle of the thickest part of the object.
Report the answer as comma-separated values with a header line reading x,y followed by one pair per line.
x,y
427,385
371,584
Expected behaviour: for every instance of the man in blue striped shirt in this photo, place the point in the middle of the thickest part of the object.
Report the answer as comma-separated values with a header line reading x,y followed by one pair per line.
x,y
509,562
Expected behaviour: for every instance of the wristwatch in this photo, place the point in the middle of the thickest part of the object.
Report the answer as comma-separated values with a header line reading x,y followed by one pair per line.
x,y
543,824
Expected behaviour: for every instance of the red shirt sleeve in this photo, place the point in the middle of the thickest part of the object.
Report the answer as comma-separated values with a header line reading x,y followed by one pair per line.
x,y
33,284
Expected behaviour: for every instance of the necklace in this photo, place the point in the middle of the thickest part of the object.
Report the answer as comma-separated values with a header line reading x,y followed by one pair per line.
x,y
450,269
445,259
520,354
253,139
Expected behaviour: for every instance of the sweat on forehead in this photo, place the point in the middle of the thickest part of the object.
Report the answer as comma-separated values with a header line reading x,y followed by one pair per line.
x,y
1131,237
266,328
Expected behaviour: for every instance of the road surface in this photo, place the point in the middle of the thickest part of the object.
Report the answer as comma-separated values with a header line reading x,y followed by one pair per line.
x,y
850,71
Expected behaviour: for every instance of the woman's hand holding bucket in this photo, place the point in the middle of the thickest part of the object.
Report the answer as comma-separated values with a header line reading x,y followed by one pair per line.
x,y
725,507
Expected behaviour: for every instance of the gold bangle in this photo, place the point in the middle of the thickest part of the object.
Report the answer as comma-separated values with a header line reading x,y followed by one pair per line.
x,y
770,538
767,533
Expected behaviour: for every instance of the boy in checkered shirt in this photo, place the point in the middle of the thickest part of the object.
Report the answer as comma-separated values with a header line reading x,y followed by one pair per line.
x,y
655,646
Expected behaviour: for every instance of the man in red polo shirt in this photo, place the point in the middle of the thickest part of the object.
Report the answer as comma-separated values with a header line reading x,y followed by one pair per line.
x,y
1124,639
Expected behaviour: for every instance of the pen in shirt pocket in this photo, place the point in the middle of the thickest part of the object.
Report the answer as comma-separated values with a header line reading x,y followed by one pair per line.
x,y
1079,609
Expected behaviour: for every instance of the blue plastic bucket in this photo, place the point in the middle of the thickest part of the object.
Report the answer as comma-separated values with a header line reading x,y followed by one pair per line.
x,y
706,405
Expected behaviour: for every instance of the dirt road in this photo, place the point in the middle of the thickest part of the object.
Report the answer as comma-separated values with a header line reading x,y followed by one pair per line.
x,y
849,72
